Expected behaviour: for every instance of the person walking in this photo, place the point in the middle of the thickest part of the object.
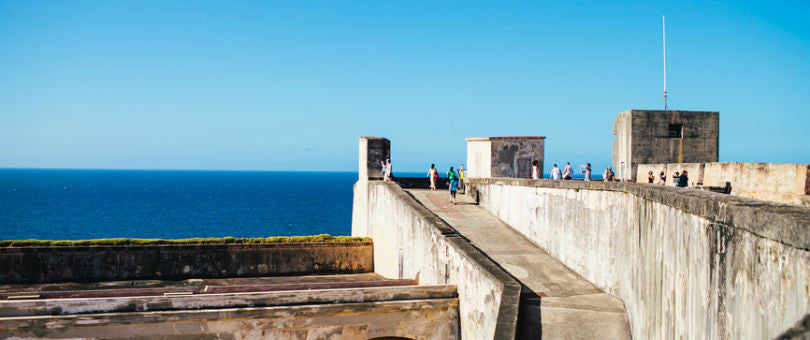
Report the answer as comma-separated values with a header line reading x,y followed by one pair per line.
x,y
453,189
452,181
567,172
535,170
662,178
555,173
586,169
432,175
461,179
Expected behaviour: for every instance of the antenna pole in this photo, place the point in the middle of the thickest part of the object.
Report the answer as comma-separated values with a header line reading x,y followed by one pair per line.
x,y
664,30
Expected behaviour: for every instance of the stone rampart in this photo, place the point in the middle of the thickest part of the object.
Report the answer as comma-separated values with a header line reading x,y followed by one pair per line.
x,y
177,262
412,242
687,263
781,182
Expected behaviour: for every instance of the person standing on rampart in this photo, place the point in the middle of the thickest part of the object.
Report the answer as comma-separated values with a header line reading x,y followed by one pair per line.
x,y
586,169
662,178
650,177
433,174
461,179
676,178
683,180
535,170
608,175
555,173
387,173
567,172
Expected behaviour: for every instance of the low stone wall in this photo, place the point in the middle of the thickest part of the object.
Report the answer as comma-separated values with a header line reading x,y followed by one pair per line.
x,y
780,182
789,183
412,242
687,263
177,262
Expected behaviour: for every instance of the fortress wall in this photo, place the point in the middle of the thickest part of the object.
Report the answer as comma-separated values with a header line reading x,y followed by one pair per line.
x,y
411,242
687,263
177,262
789,183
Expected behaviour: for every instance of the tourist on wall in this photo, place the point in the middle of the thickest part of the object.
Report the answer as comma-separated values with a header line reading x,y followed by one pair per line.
x,y
452,178
608,175
586,169
433,174
388,171
650,177
453,185
555,173
567,172
461,179
676,178
662,178
535,170
683,180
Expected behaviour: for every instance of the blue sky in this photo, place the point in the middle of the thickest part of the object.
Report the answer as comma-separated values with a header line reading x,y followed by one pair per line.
x,y
292,85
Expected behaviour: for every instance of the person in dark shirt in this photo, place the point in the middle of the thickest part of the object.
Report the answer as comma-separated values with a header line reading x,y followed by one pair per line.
x,y
683,181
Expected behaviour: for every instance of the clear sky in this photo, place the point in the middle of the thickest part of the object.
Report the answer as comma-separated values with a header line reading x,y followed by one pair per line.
x,y
292,85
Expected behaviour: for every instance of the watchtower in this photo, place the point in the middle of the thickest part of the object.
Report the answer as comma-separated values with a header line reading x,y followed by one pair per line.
x,y
658,136
504,156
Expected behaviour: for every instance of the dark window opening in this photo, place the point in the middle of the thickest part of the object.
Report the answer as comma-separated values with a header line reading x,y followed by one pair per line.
x,y
675,131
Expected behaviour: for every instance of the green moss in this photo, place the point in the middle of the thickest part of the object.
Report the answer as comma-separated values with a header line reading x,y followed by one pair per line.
x,y
210,240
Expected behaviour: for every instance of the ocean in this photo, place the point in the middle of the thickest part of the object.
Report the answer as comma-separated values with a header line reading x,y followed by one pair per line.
x,y
86,204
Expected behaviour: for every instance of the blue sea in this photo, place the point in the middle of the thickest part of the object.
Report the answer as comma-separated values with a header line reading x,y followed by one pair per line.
x,y
85,204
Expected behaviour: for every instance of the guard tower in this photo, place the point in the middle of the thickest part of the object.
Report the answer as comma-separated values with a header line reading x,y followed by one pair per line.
x,y
657,136
504,156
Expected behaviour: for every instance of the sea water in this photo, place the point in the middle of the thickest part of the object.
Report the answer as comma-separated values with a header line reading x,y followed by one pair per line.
x,y
85,204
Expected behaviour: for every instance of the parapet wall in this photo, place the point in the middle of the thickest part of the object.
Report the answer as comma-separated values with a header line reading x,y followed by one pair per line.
x,y
687,263
412,242
781,182
177,262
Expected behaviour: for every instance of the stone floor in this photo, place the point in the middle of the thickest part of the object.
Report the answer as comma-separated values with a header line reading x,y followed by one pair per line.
x,y
556,303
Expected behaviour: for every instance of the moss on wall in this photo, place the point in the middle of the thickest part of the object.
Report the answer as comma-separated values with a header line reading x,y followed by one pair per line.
x,y
208,240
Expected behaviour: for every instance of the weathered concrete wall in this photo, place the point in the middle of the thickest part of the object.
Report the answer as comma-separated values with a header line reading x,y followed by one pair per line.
x,y
431,319
411,242
789,183
642,137
506,156
175,262
479,157
687,263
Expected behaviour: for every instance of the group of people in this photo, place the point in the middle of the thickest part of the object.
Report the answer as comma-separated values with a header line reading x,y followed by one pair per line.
x,y
679,179
568,173
455,180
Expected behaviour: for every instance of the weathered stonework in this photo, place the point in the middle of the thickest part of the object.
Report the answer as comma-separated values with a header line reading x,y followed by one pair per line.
x,y
687,263
643,137
504,156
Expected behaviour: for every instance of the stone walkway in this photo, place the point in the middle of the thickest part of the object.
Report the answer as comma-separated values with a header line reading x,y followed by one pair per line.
x,y
556,303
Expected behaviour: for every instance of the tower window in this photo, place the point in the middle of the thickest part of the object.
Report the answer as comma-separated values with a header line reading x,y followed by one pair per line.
x,y
675,131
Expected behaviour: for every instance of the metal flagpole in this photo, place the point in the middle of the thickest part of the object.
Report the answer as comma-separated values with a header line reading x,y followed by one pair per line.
x,y
664,30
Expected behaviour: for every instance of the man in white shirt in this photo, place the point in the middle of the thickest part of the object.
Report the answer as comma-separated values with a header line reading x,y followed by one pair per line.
x,y
567,172
555,173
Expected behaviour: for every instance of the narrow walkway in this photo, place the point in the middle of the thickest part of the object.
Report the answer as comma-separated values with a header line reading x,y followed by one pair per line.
x,y
556,303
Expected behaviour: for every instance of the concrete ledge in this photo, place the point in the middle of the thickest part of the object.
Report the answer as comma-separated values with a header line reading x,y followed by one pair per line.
x,y
787,224
424,319
219,301
176,262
